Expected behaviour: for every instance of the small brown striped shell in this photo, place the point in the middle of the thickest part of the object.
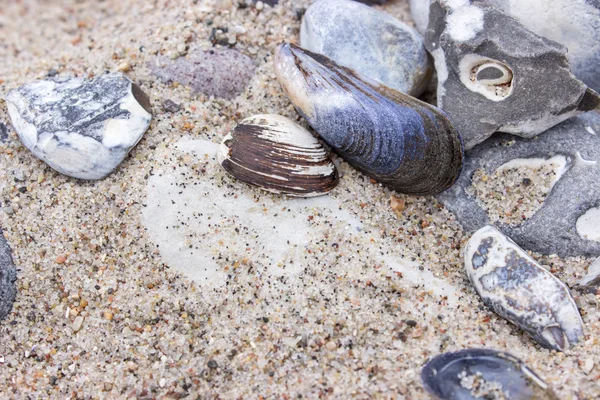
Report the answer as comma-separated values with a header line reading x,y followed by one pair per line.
x,y
278,155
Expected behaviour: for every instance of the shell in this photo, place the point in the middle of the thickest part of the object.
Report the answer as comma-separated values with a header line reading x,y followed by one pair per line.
x,y
456,376
406,144
278,155
517,288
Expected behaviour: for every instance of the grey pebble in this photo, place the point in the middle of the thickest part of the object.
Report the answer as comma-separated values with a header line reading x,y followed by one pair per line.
x,y
8,277
170,106
553,228
3,133
223,73
491,80
371,42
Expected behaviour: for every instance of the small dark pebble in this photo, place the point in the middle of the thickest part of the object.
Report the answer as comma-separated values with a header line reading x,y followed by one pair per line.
x,y
22,189
170,106
97,287
212,364
53,380
271,373
52,73
300,13
31,316
265,319
3,132
269,2
411,323
526,181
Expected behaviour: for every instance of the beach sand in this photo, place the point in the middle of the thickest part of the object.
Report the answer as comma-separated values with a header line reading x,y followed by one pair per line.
x,y
169,279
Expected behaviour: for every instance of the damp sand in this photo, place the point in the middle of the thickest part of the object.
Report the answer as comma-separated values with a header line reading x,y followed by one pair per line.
x,y
339,297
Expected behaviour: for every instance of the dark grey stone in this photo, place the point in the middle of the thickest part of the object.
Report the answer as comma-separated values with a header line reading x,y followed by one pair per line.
x,y
8,277
573,23
3,133
536,91
170,106
221,73
552,229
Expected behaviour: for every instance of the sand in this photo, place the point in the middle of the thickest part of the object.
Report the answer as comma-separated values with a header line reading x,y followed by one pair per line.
x,y
341,297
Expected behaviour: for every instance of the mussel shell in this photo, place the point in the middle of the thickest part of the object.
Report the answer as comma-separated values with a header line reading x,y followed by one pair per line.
x,y
441,375
404,143
278,155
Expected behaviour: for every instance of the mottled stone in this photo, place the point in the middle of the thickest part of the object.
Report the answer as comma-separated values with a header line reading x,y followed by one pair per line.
x,y
490,81
518,289
368,41
554,227
170,106
221,73
3,133
82,128
8,277
573,23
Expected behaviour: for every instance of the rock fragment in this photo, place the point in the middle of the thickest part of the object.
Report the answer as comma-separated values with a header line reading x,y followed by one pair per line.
x,y
572,23
495,75
573,148
8,277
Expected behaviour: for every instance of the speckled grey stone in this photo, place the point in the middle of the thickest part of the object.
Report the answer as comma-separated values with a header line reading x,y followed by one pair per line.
x,y
8,277
573,23
520,290
223,73
82,128
3,133
553,228
533,90
369,41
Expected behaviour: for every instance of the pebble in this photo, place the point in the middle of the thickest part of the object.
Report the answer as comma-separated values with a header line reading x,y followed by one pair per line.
x,y
518,289
553,228
77,323
223,73
572,23
170,106
590,283
3,133
8,277
489,82
368,41
82,128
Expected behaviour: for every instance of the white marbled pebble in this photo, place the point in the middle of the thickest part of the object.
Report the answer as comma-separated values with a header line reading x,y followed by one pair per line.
x,y
82,128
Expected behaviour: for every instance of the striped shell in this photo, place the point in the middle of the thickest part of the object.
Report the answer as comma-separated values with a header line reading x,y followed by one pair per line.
x,y
518,289
278,155
407,145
